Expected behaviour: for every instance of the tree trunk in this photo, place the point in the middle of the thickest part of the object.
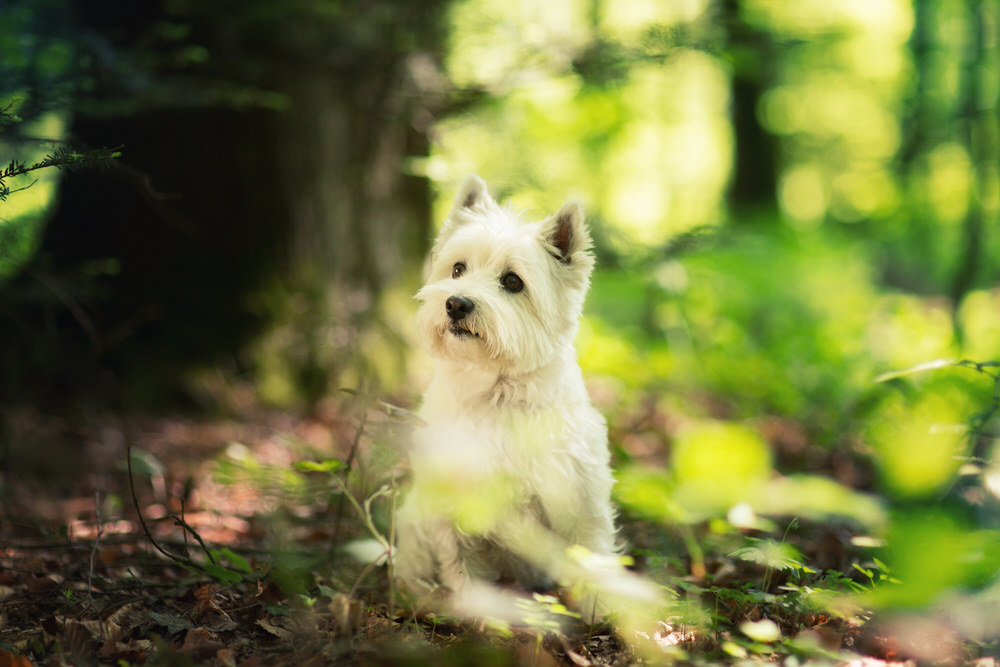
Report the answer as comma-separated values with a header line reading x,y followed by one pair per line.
x,y
982,139
753,185
223,217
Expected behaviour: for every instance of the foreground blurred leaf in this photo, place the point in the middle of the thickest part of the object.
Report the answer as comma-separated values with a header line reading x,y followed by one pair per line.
x,y
765,630
648,493
717,465
820,499
933,553
146,463
772,554
233,558
919,440
919,368
222,574
329,465
367,551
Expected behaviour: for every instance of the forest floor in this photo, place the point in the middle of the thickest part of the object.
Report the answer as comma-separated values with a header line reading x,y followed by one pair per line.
x,y
217,548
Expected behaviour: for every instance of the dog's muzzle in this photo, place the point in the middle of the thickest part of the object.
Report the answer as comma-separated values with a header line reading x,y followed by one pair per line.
x,y
458,309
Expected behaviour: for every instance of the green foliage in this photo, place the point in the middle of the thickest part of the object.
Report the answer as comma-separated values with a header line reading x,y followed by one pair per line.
x,y
329,465
62,157
777,324
232,558
920,439
20,232
935,435
7,116
305,482
797,326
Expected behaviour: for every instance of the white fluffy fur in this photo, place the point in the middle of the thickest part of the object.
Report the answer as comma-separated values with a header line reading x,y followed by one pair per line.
x,y
512,466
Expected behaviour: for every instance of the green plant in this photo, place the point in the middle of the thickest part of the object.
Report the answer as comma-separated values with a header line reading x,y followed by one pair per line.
x,y
62,157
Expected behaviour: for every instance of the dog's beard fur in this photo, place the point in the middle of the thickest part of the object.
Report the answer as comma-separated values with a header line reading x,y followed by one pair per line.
x,y
513,465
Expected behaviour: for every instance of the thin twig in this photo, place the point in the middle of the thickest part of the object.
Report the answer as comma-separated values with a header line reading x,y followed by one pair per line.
x,y
390,567
81,544
357,581
179,521
366,516
347,469
365,512
96,546
357,439
187,562
183,533
979,422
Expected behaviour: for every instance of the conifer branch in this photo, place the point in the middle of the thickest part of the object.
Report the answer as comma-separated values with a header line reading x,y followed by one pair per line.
x,y
63,156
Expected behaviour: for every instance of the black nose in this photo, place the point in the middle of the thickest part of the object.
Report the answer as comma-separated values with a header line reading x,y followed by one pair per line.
x,y
458,307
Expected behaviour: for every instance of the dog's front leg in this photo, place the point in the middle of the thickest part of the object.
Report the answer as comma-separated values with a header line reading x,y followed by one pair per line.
x,y
453,568
430,554
413,561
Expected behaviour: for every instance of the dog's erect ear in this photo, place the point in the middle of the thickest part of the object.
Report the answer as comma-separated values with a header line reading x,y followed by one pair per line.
x,y
566,232
472,192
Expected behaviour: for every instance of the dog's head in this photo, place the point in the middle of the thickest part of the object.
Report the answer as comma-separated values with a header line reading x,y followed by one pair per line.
x,y
501,291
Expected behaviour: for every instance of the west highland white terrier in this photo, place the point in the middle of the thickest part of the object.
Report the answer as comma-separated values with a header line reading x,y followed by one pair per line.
x,y
511,471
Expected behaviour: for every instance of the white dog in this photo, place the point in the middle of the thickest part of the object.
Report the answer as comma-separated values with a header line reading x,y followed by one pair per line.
x,y
512,467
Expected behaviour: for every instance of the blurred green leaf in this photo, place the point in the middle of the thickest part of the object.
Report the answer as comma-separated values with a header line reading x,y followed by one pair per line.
x,y
649,493
932,552
222,574
764,630
919,368
147,464
329,465
716,465
919,439
233,558
821,499
771,553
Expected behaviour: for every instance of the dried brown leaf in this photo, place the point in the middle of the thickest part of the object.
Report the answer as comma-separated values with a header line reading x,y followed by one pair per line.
x,y
226,658
11,660
276,630
200,643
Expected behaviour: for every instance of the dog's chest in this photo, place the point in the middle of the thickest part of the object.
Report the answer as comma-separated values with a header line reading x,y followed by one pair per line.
x,y
538,435
527,442
531,448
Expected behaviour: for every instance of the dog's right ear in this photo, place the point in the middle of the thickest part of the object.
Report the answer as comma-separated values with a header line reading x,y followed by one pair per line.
x,y
472,193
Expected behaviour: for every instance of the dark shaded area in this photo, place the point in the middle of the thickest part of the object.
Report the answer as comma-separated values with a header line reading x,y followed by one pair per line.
x,y
262,152
166,245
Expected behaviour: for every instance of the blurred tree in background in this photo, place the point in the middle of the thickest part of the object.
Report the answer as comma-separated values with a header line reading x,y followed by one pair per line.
x,y
261,188
280,157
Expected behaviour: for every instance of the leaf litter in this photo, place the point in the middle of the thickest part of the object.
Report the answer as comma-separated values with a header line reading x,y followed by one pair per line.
x,y
251,569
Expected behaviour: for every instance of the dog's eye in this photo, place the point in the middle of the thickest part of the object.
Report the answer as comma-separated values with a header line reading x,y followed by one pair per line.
x,y
458,269
512,282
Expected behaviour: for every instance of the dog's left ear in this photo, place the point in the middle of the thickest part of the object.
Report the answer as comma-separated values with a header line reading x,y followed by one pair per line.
x,y
566,233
